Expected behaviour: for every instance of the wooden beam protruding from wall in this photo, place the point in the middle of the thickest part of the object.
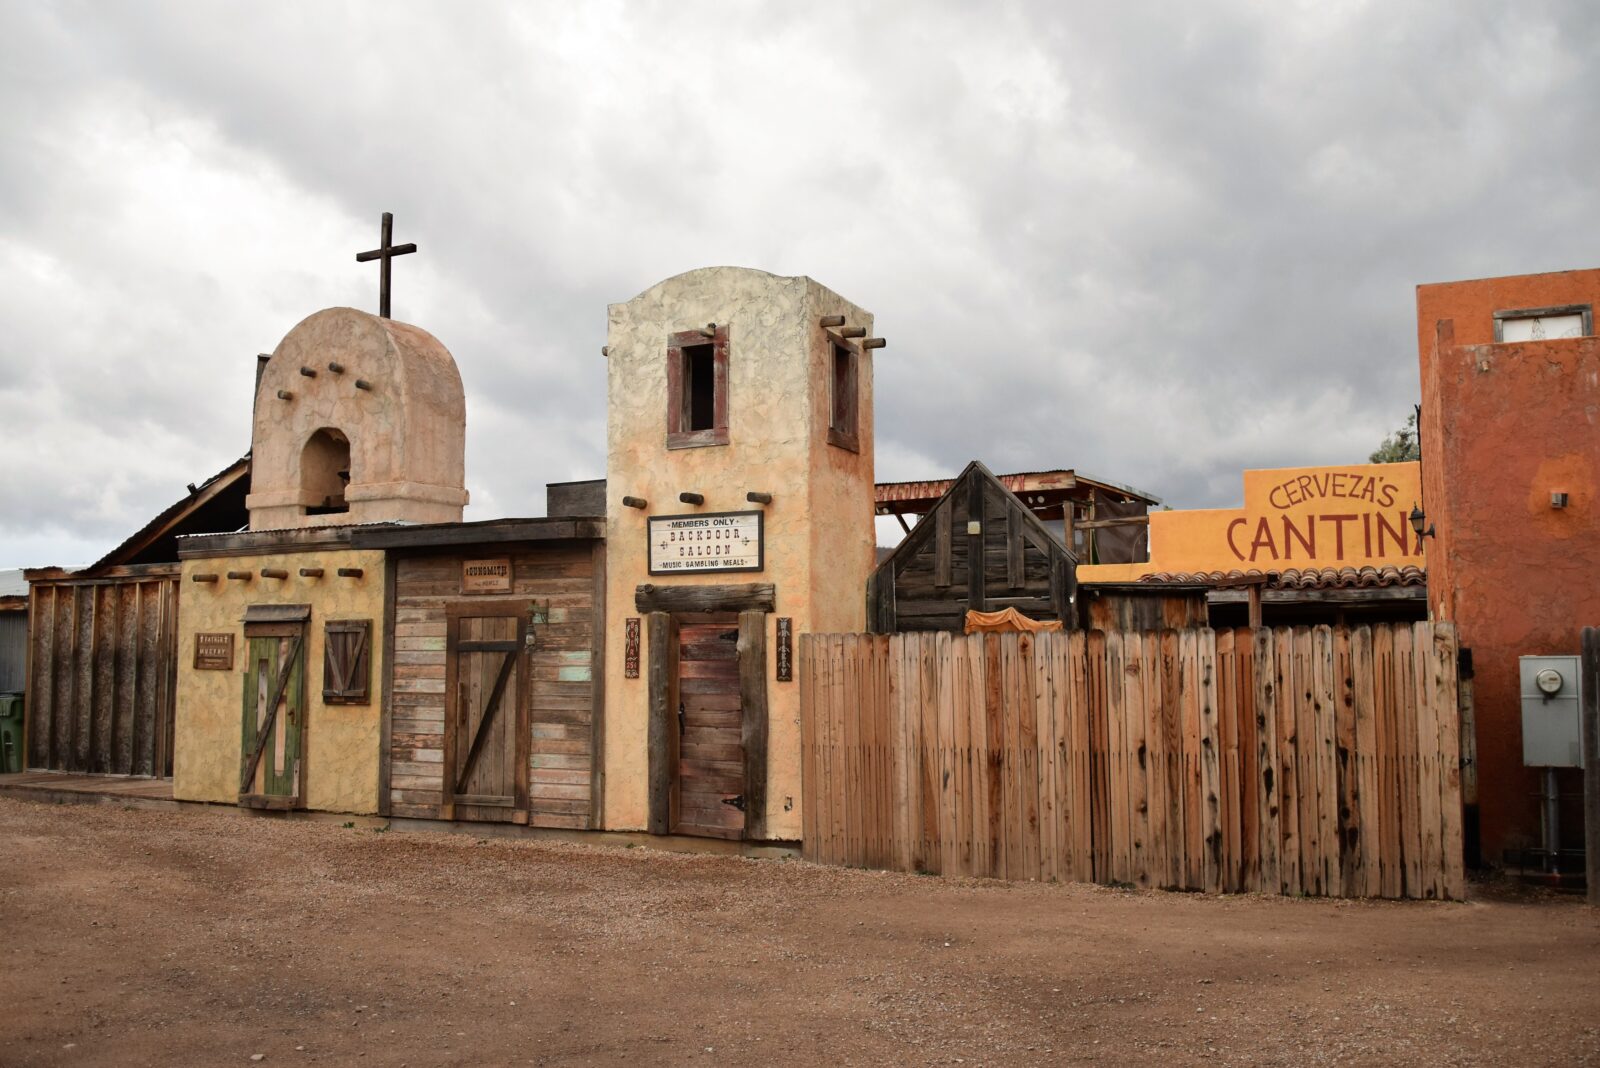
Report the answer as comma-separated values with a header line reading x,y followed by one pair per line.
x,y
874,343
635,502
696,499
351,572
311,572
831,320
755,497
206,576
274,573
747,597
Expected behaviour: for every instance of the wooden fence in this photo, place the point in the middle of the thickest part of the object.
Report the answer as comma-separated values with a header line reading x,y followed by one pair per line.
x,y
103,668
1296,761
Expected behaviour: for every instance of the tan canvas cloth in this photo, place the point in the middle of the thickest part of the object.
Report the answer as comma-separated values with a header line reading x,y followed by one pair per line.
x,y
1007,621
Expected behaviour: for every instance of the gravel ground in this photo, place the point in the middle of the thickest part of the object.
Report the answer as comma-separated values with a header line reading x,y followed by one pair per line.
x,y
136,936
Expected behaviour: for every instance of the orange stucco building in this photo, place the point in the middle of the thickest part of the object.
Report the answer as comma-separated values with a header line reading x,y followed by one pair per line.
x,y
1511,417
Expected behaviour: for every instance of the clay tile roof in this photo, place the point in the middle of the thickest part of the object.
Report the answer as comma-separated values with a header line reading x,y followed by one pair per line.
x,y
1326,578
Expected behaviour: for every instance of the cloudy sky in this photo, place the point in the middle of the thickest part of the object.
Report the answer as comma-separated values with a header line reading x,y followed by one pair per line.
x,y
1156,242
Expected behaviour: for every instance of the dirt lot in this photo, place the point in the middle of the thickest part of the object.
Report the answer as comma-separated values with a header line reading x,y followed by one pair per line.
x,y
133,936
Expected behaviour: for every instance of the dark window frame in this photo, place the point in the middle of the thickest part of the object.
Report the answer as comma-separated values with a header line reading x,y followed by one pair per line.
x,y
844,412
679,436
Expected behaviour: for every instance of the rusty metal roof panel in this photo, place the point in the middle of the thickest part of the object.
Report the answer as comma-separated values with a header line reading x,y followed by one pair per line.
x,y
1326,578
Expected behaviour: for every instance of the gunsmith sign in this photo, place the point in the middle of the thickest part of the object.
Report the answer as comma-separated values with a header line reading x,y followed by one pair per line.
x,y
486,576
711,541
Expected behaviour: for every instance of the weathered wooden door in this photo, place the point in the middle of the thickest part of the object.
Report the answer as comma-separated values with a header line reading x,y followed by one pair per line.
x,y
486,736
272,773
711,765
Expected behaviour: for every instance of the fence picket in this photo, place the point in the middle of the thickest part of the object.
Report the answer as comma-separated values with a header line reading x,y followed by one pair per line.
x,y
1210,798
1453,884
1189,836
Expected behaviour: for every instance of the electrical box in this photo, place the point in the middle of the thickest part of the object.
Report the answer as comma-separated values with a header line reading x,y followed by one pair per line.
x,y
1551,727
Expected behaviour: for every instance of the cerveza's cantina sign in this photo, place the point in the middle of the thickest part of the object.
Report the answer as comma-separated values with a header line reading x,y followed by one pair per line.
x,y
713,541
1311,517
1329,516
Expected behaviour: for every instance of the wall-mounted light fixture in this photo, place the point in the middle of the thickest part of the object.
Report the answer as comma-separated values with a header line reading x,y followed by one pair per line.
x,y
1418,519
1558,499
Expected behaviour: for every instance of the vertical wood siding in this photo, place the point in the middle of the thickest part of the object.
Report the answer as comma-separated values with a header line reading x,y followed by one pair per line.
x,y
102,665
1320,761
557,585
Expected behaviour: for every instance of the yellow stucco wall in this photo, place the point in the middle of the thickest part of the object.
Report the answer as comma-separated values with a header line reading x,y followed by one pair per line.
x,y
1293,517
342,741
818,530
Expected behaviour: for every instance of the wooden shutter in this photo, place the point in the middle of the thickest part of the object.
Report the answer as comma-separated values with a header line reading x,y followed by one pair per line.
x,y
347,662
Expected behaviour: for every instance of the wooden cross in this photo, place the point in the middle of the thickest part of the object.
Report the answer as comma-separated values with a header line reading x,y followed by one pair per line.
x,y
384,253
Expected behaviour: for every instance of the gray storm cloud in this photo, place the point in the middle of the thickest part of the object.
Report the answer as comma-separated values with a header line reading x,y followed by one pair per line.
x,y
1159,244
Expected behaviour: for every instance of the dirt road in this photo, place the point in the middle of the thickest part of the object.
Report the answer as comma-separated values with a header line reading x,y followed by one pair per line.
x,y
133,937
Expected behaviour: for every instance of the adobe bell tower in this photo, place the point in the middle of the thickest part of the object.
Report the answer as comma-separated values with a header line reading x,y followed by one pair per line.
x,y
358,419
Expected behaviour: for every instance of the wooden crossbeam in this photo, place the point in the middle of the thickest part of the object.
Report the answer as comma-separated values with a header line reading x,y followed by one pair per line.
x,y
265,731
491,707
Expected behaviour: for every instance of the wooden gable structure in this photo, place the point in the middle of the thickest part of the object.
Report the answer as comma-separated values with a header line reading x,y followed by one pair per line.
x,y
979,548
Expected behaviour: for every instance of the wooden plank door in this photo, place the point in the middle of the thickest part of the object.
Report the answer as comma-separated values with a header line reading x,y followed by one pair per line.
x,y
486,738
711,766
272,771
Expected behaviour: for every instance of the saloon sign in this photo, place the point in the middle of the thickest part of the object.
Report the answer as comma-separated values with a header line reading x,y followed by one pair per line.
x,y
1310,517
712,541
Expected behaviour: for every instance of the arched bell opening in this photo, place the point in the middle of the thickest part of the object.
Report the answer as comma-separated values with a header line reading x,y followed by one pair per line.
x,y
325,472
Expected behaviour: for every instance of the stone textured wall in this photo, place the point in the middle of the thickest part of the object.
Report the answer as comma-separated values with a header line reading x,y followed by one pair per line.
x,y
407,433
342,741
819,527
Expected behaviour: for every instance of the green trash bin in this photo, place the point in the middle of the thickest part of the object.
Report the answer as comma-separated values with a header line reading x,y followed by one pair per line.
x,y
10,733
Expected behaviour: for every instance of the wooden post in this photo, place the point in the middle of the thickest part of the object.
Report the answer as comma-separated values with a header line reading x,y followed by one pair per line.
x,y
1591,761
1254,594
663,728
752,649
975,583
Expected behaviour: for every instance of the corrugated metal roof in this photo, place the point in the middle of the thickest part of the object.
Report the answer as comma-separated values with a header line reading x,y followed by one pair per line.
x,y
12,584
1016,482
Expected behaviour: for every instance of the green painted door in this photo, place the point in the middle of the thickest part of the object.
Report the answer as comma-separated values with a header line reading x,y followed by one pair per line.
x,y
271,775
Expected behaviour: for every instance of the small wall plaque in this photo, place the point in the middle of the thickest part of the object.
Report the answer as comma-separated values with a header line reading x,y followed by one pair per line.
x,y
785,649
213,652
486,576
630,655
